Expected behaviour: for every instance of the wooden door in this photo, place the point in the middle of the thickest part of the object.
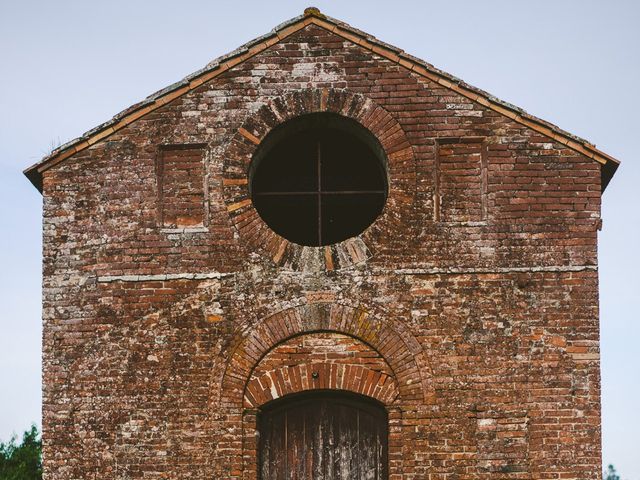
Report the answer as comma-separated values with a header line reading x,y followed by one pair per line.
x,y
323,436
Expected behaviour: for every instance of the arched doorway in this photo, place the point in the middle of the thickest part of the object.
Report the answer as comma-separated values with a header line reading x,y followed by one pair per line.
x,y
323,435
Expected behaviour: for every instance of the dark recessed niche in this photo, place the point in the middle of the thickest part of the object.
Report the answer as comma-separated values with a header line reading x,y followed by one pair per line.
x,y
319,179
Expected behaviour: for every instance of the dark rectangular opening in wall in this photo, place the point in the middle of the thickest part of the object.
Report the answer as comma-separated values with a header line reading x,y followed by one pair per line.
x,y
181,186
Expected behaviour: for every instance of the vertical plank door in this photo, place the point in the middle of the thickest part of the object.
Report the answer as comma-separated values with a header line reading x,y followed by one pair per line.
x,y
324,436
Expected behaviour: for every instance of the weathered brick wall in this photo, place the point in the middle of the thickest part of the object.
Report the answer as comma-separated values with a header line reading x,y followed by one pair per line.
x,y
475,292
181,193
318,361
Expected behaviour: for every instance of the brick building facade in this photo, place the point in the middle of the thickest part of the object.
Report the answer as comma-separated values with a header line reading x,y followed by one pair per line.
x,y
468,310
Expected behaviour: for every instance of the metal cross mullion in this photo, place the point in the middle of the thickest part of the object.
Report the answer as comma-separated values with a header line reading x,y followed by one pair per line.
x,y
285,193
353,192
319,194
326,192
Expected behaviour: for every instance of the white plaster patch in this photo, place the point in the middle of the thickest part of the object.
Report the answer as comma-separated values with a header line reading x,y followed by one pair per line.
x,y
274,391
318,72
419,313
487,251
486,423
468,113
459,106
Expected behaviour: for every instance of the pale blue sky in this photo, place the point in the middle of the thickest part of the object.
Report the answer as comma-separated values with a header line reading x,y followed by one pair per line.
x,y
67,66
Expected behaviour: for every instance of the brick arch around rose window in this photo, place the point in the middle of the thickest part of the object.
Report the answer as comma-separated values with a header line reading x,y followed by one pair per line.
x,y
391,340
400,162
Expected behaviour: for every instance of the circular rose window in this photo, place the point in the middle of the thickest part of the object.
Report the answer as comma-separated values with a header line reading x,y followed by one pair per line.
x,y
319,179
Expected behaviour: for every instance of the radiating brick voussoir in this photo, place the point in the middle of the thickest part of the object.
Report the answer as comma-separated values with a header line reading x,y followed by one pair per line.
x,y
269,386
254,233
385,338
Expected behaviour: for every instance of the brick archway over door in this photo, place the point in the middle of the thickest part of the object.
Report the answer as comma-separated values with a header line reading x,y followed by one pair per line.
x,y
392,340
320,361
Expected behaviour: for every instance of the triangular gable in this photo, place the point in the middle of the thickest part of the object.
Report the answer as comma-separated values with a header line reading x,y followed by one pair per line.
x,y
284,30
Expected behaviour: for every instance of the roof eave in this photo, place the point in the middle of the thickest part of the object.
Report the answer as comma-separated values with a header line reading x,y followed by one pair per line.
x,y
606,173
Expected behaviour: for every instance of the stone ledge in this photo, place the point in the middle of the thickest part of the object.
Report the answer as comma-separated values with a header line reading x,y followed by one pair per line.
x,y
163,277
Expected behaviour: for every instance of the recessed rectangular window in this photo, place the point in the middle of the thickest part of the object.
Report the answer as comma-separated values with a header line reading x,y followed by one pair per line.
x,y
181,187
460,180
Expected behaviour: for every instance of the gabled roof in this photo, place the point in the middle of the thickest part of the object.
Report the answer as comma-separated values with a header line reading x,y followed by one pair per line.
x,y
282,31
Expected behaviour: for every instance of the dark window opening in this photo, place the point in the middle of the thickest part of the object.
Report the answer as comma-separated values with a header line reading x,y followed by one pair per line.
x,y
319,179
